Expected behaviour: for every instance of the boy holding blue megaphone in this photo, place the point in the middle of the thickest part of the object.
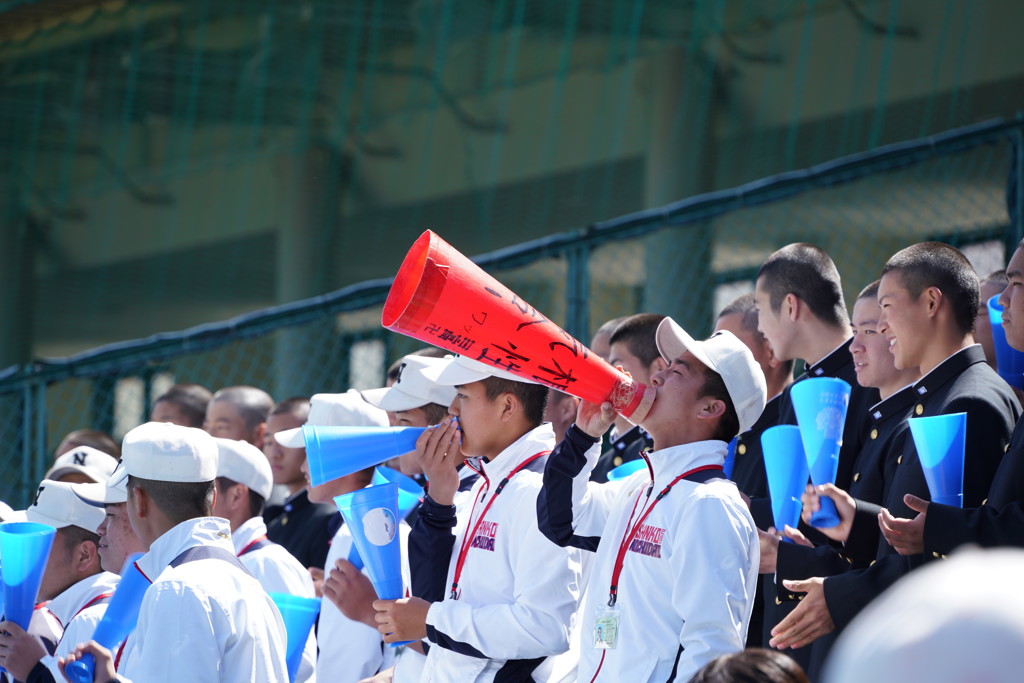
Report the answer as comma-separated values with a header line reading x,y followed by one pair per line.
x,y
203,614
494,598
73,586
937,530
244,483
928,294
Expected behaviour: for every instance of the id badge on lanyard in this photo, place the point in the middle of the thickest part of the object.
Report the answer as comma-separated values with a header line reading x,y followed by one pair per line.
x,y
606,629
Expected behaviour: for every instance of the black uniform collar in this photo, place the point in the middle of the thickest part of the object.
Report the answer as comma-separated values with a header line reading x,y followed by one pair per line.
x,y
948,370
830,365
897,404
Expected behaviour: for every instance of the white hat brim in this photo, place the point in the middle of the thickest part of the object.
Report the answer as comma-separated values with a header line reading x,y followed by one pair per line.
x,y
291,438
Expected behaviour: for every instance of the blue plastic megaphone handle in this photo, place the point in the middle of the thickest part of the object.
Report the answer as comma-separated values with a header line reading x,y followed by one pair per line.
x,y
82,670
827,516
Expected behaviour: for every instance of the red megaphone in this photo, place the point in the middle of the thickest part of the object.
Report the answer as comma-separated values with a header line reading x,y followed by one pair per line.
x,y
442,298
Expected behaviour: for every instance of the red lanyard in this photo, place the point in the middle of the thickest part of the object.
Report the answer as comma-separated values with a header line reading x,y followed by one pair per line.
x,y
251,544
467,540
631,531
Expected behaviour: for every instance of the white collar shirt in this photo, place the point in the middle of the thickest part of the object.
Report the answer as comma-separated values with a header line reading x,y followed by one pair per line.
x,y
204,621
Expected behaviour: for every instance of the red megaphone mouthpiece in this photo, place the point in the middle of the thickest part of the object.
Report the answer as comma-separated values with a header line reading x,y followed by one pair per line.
x,y
442,298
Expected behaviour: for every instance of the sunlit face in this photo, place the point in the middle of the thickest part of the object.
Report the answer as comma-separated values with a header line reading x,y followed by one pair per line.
x,y
479,419
117,540
982,324
165,411
600,345
408,464
224,421
772,324
58,574
621,355
1012,301
872,360
903,321
678,390
285,463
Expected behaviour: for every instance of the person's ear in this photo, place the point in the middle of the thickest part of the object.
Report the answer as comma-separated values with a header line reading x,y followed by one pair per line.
x,y
710,408
509,406
140,502
933,300
791,306
259,434
85,556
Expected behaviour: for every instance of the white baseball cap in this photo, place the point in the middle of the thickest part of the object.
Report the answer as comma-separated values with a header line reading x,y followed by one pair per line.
x,y
459,370
57,505
9,514
86,460
730,358
110,492
957,621
413,389
243,463
161,451
335,410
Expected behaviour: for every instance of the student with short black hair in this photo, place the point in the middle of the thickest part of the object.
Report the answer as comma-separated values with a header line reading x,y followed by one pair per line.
x,y
239,413
928,294
182,404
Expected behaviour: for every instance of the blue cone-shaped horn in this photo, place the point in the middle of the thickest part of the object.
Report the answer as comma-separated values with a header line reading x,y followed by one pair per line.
x,y
334,452
786,466
118,620
820,404
410,492
940,441
299,615
372,517
24,547
1009,361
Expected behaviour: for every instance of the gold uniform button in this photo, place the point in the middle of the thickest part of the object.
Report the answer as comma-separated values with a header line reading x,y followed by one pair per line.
x,y
874,433
617,460
899,460
984,502
856,476
919,409
778,601
742,449
1006,448
935,555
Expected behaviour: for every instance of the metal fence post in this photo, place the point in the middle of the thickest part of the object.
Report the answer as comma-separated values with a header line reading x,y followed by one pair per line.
x,y
577,292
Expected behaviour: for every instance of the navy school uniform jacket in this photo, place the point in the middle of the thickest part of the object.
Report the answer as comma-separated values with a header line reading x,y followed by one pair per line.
x,y
305,529
962,383
1000,519
837,364
624,449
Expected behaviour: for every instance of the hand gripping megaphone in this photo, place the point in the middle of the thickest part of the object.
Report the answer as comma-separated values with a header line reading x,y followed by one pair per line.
x,y
442,298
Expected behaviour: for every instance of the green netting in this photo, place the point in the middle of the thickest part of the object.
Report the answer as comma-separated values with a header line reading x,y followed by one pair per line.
x,y
164,163
861,209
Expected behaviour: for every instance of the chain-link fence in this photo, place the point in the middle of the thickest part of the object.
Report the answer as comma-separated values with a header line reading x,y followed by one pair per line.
x,y
687,259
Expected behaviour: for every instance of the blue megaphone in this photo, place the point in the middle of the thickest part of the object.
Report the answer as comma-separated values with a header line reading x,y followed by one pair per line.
x,y
820,404
786,466
730,459
626,469
1009,361
24,547
410,493
299,615
372,517
118,620
334,452
940,441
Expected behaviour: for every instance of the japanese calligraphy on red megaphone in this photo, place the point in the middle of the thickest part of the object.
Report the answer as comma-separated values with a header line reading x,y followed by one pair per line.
x,y
442,298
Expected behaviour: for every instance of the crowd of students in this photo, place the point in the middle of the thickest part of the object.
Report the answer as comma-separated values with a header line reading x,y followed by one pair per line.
x,y
528,557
